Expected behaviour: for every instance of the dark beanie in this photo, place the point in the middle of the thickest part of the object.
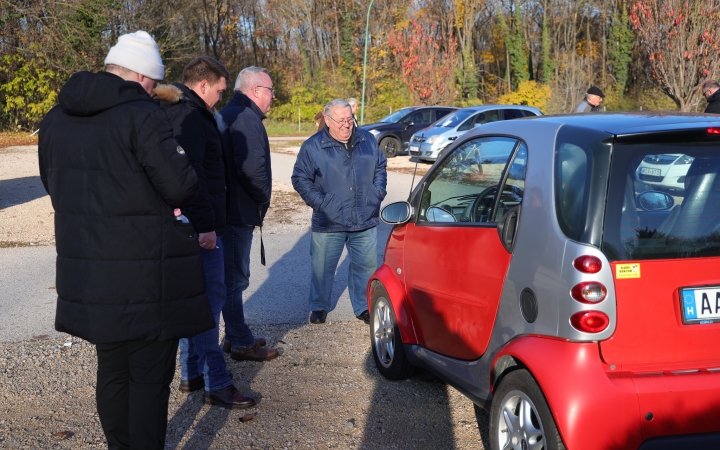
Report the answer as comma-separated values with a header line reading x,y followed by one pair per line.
x,y
594,90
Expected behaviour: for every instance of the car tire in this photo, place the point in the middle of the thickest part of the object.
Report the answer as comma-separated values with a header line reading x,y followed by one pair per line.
x,y
390,146
386,342
517,392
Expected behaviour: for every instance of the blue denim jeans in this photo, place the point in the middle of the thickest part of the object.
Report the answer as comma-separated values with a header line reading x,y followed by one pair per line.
x,y
325,252
201,354
237,241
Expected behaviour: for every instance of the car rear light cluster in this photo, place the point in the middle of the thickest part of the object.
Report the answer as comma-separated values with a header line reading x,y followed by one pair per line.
x,y
589,292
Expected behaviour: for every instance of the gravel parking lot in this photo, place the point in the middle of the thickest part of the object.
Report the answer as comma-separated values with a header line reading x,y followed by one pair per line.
x,y
323,391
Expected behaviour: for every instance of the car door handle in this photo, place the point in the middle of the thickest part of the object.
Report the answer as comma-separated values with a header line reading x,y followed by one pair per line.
x,y
507,228
452,138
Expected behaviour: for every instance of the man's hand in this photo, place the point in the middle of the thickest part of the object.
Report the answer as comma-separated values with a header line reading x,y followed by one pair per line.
x,y
208,240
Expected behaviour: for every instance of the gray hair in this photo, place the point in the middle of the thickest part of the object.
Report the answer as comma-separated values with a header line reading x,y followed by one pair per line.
x,y
248,78
352,101
710,84
337,103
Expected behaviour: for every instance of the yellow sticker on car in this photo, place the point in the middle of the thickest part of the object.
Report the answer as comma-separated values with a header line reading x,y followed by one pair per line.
x,y
627,271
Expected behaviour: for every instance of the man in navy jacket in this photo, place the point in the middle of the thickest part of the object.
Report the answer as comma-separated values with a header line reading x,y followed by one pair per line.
x,y
246,151
340,173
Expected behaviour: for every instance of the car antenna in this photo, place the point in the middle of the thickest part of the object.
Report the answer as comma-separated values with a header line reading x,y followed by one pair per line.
x,y
412,183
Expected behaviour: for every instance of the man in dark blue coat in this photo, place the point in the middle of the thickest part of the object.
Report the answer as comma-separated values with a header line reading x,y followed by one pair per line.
x,y
340,173
246,151
190,107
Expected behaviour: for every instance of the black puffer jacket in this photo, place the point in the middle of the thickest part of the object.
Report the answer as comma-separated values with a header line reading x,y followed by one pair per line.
x,y
247,161
713,106
126,270
196,131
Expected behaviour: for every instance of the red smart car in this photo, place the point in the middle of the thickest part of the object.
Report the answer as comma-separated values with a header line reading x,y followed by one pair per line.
x,y
535,272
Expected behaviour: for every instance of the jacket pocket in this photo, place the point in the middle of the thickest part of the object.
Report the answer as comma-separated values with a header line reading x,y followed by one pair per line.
x,y
330,211
373,200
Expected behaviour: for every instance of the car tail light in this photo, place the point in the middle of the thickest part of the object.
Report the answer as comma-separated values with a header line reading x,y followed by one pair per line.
x,y
588,264
590,321
713,130
589,292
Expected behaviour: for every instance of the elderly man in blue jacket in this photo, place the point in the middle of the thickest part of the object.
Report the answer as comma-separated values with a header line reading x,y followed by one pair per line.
x,y
340,173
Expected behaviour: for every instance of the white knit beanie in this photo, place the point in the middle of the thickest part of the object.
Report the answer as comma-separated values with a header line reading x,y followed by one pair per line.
x,y
138,52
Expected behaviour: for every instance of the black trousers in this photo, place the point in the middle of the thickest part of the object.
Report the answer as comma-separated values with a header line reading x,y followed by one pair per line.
x,y
132,393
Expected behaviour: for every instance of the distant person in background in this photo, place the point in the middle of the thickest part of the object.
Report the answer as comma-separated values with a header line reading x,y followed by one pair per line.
x,y
354,107
319,120
593,98
129,273
190,107
710,92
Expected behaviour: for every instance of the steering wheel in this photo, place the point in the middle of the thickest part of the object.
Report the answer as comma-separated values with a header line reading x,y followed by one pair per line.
x,y
510,190
481,204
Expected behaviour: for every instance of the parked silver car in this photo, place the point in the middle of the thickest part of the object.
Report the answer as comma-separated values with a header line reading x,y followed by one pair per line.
x,y
429,143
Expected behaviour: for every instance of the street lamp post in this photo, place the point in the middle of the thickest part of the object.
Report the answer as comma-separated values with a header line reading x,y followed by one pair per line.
x,y
367,35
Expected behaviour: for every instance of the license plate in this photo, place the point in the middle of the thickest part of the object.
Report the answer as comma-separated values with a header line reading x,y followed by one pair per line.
x,y
700,305
414,149
649,171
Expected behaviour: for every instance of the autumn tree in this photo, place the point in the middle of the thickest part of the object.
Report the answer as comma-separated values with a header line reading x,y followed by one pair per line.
x,y
680,39
428,59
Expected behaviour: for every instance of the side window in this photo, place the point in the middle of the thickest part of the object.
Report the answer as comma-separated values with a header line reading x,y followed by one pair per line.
x,y
440,113
488,116
468,124
512,191
464,188
421,118
570,182
513,114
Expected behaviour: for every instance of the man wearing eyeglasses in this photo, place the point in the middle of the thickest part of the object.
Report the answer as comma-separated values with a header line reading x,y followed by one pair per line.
x,y
710,92
246,151
340,173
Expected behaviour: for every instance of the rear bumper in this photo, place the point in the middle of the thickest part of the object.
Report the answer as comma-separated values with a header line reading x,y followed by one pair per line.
x,y
619,410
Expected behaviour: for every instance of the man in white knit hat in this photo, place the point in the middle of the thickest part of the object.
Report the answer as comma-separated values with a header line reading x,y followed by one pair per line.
x,y
129,273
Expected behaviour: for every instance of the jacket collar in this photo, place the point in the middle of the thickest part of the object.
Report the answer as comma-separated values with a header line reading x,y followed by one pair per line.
x,y
190,96
240,99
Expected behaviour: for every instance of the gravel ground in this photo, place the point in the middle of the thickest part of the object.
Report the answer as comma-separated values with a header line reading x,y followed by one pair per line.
x,y
323,392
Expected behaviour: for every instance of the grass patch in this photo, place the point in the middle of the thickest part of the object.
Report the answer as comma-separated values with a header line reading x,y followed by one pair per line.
x,y
11,139
278,128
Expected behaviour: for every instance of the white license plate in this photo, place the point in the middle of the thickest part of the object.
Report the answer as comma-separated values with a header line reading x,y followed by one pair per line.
x,y
700,305
649,171
414,149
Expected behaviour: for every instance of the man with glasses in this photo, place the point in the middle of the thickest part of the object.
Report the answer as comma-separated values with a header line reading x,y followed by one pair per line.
x,y
593,98
710,92
246,151
340,173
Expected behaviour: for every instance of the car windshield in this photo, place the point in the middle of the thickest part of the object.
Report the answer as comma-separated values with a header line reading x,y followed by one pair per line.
x,y
395,117
663,201
454,119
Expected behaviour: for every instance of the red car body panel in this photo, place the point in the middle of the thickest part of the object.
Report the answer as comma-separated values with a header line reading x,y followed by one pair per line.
x,y
598,408
455,298
592,410
649,329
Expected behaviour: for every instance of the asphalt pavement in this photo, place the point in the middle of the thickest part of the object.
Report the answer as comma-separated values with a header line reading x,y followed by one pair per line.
x,y
277,293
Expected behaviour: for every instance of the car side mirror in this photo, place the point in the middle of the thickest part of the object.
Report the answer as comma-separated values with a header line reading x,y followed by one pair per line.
x,y
394,213
477,125
655,201
435,214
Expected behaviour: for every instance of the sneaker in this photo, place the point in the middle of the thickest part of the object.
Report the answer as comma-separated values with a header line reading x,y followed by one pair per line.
x,y
364,316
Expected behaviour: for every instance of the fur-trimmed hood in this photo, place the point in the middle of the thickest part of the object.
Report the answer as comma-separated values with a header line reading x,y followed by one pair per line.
x,y
167,93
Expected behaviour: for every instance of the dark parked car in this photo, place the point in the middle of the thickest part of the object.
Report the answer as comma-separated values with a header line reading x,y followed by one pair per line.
x,y
532,270
393,132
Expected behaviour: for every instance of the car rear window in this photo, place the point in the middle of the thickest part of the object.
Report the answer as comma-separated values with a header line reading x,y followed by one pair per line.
x,y
663,200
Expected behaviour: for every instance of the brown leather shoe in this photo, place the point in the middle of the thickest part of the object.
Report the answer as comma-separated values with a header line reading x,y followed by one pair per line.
x,y
228,397
227,346
254,353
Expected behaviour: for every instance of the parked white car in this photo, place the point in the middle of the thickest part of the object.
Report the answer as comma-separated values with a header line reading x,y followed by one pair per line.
x,y
664,172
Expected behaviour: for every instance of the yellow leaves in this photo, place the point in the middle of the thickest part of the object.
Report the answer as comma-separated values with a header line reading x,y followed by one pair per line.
x,y
528,93
583,50
487,57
